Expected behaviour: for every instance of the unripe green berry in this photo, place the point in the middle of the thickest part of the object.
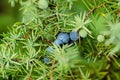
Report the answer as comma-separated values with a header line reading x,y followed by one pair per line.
x,y
43,4
100,38
83,33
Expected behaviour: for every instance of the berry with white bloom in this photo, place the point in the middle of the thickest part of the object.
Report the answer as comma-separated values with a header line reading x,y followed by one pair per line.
x,y
74,35
64,37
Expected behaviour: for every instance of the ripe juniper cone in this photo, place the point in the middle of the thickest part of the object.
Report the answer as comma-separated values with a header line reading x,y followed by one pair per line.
x,y
74,35
58,42
63,37
50,49
46,60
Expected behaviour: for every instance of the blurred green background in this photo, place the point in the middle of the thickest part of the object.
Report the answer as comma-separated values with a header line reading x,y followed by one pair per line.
x,y
8,15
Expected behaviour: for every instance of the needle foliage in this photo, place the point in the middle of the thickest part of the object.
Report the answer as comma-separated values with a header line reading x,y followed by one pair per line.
x,y
23,47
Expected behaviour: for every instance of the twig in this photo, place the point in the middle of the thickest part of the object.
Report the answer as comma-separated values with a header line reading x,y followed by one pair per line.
x,y
51,76
86,16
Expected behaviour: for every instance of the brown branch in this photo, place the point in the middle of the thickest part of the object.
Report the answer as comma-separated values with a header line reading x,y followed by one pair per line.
x,y
51,76
101,5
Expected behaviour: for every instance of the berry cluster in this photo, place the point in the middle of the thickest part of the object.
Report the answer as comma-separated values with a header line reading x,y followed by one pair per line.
x,y
65,38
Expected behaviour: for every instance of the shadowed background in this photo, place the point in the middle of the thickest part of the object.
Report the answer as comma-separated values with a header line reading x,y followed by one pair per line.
x,y
8,15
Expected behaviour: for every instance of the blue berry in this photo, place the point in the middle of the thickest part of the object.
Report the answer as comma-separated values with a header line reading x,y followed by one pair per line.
x,y
50,49
74,35
46,60
64,37
58,42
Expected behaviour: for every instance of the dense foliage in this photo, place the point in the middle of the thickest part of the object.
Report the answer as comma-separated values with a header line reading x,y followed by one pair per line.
x,y
28,51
